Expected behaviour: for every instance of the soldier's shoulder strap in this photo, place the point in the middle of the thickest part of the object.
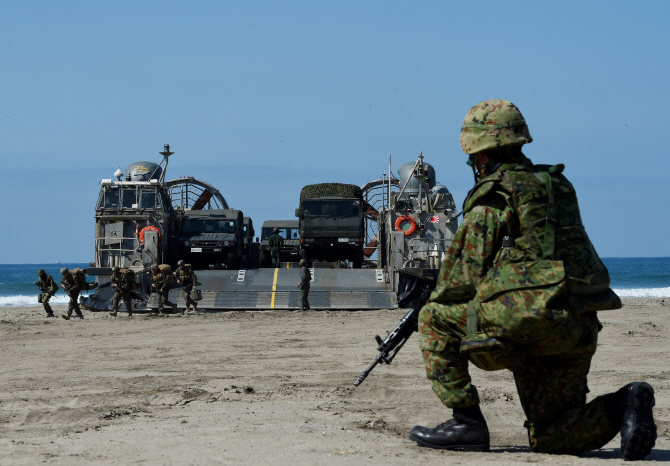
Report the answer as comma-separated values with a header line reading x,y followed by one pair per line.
x,y
484,187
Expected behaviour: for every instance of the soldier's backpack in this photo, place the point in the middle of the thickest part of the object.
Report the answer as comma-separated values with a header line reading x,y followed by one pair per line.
x,y
167,271
80,276
130,275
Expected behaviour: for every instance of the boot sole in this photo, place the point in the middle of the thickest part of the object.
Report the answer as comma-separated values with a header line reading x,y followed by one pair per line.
x,y
480,448
639,444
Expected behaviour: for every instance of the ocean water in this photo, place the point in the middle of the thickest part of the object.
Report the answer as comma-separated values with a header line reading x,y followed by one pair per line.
x,y
639,277
17,283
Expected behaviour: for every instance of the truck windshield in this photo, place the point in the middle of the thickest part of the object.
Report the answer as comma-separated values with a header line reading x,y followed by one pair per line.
x,y
208,226
331,208
286,233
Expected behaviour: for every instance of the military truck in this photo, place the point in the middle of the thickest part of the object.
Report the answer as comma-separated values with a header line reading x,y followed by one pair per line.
x,y
288,229
212,237
331,223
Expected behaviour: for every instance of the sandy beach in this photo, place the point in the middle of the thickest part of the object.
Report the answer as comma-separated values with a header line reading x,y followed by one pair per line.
x,y
270,387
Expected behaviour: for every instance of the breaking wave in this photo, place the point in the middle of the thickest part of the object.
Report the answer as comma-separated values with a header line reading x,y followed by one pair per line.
x,y
30,300
643,292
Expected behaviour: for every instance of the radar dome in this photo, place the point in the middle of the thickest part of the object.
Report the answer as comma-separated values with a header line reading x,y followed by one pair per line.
x,y
143,171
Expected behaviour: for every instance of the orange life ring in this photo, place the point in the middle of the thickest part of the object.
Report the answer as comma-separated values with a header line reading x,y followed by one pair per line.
x,y
405,218
148,228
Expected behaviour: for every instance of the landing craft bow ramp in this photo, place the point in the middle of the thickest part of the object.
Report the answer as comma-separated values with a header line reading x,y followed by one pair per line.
x,y
278,289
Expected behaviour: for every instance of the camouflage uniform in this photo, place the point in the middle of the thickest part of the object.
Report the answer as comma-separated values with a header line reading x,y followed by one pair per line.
x,y
49,288
276,242
71,286
305,278
163,287
187,280
550,369
122,285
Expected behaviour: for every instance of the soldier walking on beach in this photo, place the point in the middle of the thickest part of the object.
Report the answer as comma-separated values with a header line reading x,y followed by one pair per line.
x,y
71,286
162,286
276,242
185,277
305,278
121,284
48,288
523,253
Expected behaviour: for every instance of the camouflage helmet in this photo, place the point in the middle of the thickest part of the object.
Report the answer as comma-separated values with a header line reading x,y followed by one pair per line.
x,y
116,269
302,262
181,262
275,230
64,270
492,124
154,268
41,272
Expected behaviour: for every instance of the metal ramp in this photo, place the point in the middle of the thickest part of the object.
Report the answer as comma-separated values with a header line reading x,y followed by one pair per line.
x,y
278,289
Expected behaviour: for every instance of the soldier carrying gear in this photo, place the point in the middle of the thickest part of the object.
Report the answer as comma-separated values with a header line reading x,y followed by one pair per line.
x,y
187,280
162,286
276,242
71,286
48,288
120,282
305,278
521,215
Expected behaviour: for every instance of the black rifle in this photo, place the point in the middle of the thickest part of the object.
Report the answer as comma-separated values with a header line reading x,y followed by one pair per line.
x,y
42,288
395,340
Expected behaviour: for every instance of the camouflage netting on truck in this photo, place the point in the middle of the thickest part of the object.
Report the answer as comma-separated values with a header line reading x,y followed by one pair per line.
x,y
312,191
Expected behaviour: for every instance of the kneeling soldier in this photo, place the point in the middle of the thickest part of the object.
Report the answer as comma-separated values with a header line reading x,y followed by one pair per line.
x,y
162,285
187,279
120,282
48,288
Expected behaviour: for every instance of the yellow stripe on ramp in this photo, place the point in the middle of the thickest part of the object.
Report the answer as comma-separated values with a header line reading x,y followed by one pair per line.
x,y
274,289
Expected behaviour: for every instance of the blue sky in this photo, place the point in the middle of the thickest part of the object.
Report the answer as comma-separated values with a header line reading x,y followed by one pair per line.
x,y
261,98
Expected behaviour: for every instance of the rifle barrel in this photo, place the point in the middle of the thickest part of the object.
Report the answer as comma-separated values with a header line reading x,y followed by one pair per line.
x,y
359,380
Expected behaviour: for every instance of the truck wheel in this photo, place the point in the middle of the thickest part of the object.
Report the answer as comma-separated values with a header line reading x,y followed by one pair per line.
x,y
245,262
357,263
263,263
232,261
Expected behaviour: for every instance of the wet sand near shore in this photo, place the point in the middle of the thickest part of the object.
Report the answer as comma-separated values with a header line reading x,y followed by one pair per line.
x,y
271,387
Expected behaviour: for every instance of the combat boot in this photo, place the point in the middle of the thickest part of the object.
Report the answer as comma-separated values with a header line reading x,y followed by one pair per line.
x,y
50,314
130,313
638,431
467,431
113,313
66,316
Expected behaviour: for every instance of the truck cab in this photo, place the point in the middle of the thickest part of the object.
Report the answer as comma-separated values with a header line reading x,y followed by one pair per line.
x,y
212,237
331,223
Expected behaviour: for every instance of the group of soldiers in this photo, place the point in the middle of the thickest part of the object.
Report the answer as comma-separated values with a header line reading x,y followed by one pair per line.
x,y
73,286
276,242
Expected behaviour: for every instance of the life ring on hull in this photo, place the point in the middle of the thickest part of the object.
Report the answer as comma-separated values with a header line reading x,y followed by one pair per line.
x,y
148,228
405,218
